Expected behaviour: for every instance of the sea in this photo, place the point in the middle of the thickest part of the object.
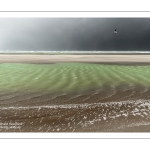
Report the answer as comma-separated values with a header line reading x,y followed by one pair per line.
x,y
74,52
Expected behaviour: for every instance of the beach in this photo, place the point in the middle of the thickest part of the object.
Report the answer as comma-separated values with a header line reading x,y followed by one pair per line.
x,y
74,93
27,58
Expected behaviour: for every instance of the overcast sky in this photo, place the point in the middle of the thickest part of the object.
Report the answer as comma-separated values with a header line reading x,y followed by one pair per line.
x,y
74,34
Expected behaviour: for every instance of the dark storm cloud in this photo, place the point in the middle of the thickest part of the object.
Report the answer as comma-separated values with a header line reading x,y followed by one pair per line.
x,y
74,34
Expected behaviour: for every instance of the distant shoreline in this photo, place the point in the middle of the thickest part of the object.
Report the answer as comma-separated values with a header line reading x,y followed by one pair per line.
x,y
36,58
74,53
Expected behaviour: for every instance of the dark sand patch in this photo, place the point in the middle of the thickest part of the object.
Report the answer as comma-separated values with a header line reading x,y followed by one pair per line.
x,y
105,94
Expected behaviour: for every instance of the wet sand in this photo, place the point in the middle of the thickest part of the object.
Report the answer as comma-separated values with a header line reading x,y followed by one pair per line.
x,y
108,110
123,109
99,117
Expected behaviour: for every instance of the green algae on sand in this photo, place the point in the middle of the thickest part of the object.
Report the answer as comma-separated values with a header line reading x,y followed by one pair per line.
x,y
70,77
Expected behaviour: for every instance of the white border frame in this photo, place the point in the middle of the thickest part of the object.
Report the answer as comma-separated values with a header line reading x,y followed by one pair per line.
x,y
72,14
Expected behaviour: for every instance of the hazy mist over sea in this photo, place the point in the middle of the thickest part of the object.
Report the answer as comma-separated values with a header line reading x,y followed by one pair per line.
x,y
74,34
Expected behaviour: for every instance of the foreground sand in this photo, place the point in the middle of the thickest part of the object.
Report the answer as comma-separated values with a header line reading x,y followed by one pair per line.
x,y
100,112
99,117
126,109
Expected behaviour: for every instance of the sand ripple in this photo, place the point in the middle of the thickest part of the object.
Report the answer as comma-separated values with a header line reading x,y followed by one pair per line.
x,y
109,109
